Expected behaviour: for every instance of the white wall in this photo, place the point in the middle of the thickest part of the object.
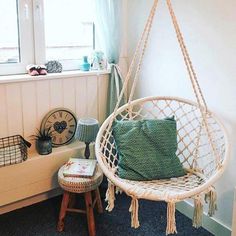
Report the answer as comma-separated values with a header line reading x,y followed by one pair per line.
x,y
210,33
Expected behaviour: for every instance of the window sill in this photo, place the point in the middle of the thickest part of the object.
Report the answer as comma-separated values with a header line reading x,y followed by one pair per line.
x,y
64,74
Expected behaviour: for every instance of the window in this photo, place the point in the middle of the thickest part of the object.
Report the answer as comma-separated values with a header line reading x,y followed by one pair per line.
x,y
33,32
9,40
16,38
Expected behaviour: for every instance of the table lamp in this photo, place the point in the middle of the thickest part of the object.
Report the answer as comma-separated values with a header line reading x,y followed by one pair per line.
x,y
86,132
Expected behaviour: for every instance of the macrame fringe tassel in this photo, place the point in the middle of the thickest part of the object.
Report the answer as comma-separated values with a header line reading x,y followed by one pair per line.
x,y
198,212
110,196
171,224
134,213
211,198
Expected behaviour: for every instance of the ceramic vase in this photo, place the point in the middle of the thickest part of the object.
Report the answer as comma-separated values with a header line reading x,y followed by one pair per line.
x,y
85,66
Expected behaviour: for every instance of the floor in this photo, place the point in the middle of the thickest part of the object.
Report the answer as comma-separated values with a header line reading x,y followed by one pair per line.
x,y
41,219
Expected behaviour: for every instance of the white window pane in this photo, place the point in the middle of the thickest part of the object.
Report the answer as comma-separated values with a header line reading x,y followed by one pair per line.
x,y
9,37
69,29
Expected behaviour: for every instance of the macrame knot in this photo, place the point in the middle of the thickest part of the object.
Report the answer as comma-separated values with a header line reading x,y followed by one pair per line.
x,y
211,198
118,190
171,224
198,211
110,196
134,212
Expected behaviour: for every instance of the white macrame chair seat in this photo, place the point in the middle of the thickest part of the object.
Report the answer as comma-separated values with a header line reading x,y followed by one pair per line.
x,y
203,147
194,149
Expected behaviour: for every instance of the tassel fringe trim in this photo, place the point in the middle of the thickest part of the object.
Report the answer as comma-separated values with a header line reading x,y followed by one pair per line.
x,y
134,213
110,197
198,211
171,224
211,198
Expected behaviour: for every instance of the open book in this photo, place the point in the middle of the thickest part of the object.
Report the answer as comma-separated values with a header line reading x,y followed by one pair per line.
x,y
79,167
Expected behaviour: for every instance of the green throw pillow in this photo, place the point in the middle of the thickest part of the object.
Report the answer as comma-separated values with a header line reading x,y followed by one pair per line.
x,y
146,149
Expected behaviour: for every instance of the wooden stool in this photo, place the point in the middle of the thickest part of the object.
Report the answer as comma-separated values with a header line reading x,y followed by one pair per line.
x,y
72,185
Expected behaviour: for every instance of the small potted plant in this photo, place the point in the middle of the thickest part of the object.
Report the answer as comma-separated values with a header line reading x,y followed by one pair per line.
x,y
43,141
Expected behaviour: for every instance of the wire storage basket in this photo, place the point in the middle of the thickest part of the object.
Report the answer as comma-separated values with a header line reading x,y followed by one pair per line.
x,y
13,150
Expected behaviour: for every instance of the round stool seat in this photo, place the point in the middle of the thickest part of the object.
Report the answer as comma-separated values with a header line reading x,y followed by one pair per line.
x,y
80,184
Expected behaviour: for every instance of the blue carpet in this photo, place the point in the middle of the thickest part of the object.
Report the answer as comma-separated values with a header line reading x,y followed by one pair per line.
x,y
41,219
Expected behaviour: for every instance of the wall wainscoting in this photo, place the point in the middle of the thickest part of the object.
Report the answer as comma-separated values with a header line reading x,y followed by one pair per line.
x,y
22,106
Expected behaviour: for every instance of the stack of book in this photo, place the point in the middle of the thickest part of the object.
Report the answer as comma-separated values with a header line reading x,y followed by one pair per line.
x,y
76,167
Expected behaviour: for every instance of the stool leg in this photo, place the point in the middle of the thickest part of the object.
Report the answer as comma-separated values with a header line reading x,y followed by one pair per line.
x,y
98,202
90,215
64,204
72,200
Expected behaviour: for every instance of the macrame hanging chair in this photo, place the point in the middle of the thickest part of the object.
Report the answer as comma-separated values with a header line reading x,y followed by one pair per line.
x,y
202,142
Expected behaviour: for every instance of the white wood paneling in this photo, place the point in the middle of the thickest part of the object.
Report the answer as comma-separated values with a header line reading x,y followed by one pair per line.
x,y
81,97
3,112
43,99
69,93
24,104
14,109
29,107
56,93
92,97
35,175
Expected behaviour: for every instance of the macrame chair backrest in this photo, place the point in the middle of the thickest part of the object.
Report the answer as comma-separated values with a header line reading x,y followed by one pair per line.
x,y
138,59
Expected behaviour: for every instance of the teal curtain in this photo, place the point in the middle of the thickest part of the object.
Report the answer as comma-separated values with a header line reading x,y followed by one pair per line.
x,y
115,86
108,25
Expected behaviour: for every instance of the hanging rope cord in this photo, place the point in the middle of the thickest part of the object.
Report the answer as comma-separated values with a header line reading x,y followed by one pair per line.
x,y
138,58
194,81
192,75
138,55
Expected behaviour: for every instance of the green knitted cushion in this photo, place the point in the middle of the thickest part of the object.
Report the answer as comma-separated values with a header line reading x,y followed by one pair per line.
x,y
146,149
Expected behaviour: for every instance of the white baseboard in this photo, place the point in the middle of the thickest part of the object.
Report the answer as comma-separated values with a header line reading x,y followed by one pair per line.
x,y
31,200
209,223
234,215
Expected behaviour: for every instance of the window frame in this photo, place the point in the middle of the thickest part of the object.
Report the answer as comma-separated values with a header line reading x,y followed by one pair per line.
x,y
40,44
25,34
39,33
31,35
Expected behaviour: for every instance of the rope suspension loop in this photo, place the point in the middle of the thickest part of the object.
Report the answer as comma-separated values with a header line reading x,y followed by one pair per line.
x,y
138,58
141,42
149,27
194,81
192,74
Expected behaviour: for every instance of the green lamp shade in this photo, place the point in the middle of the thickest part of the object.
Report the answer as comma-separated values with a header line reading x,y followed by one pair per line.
x,y
87,130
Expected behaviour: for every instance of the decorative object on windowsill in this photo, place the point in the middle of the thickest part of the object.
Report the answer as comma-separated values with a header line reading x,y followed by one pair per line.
x,y
35,70
54,66
87,132
13,150
85,66
43,141
98,61
63,122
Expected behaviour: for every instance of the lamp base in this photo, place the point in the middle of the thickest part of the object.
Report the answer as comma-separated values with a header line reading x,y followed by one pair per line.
x,y
87,150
